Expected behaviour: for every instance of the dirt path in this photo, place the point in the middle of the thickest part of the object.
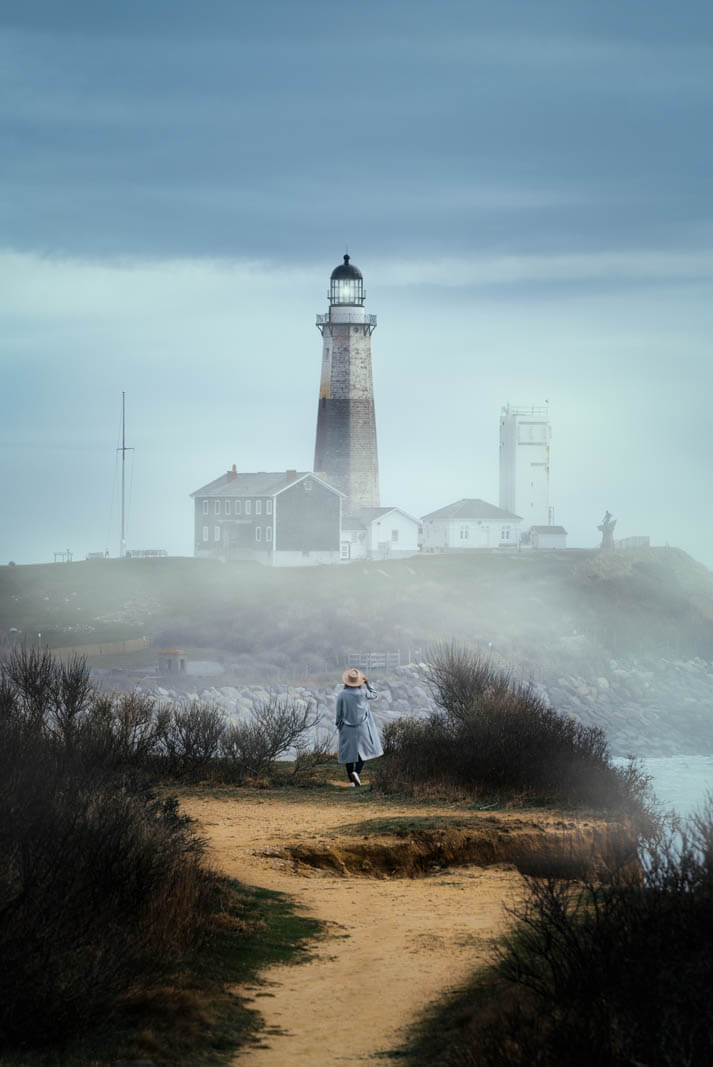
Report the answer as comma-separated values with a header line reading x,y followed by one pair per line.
x,y
396,944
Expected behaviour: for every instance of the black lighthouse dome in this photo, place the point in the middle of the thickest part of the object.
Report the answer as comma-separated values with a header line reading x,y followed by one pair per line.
x,y
346,269
346,285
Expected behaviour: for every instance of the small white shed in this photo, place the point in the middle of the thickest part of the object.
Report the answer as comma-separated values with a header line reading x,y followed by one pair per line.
x,y
548,537
390,532
379,533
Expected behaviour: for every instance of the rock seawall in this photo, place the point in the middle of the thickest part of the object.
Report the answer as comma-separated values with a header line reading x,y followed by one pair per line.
x,y
647,707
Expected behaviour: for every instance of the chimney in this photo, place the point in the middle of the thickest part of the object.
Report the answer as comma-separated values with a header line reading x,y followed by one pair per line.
x,y
291,476
232,473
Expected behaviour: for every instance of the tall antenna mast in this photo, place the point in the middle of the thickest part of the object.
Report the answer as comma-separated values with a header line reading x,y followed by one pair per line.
x,y
123,450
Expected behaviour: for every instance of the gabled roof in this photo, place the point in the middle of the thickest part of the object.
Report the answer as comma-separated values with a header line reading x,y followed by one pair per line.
x,y
215,484
352,522
262,483
548,529
369,515
289,482
473,508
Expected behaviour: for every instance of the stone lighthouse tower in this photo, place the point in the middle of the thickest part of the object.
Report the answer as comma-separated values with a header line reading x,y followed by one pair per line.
x,y
345,447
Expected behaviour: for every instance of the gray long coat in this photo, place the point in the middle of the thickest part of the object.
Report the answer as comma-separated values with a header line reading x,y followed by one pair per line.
x,y
358,736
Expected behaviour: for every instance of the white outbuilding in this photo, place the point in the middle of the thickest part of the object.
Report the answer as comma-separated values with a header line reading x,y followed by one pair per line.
x,y
548,537
379,533
470,523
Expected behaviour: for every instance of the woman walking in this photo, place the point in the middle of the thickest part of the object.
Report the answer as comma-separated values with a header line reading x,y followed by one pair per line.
x,y
358,737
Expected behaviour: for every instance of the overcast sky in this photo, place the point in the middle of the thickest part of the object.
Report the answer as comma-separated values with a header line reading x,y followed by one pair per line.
x,y
525,186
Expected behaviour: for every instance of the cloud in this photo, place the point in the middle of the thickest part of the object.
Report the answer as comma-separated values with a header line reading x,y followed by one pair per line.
x,y
615,266
507,128
42,287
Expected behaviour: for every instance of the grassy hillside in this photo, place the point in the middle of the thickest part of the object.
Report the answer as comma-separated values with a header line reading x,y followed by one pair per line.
x,y
533,607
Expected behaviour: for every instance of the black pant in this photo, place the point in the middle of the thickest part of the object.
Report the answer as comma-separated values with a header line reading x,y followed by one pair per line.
x,y
358,767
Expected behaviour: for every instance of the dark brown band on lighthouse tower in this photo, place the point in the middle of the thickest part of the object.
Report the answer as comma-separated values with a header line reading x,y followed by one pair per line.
x,y
346,449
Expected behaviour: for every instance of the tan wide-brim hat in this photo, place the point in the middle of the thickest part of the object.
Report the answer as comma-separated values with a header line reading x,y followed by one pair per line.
x,y
353,677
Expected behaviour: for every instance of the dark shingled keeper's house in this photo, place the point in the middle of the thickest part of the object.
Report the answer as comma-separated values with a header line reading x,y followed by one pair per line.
x,y
287,519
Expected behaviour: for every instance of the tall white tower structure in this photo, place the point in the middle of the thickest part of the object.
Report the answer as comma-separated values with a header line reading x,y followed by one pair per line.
x,y
345,445
525,464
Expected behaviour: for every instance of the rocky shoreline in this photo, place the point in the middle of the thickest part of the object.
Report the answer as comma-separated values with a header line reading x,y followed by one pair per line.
x,y
646,706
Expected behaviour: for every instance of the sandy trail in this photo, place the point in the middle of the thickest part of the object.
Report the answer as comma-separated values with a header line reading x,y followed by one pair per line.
x,y
395,944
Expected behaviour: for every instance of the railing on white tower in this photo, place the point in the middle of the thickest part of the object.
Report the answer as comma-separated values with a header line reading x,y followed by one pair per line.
x,y
367,320
523,409
343,317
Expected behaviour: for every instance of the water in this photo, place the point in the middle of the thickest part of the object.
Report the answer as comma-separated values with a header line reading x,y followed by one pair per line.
x,y
679,782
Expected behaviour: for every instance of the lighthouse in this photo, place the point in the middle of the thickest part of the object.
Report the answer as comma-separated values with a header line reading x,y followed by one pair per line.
x,y
345,446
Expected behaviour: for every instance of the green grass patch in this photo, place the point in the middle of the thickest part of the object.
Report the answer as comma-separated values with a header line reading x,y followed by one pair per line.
x,y
405,825
195,1016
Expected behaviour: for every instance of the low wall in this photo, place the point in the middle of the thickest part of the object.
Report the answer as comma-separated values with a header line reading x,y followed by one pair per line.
x,y
105,648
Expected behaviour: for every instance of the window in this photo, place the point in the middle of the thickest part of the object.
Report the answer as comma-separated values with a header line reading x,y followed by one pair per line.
x,y
268,533
227,507
217,507
268,507
248,507
354,535
505,533
258,533
206,531
238,507
258,507
216,533
307,485
205,507
394,535
464,532
345,550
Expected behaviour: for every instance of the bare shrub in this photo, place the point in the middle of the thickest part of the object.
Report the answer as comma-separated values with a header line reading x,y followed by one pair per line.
x,y
90,901
102,884
136,728
309,757
32,676
494,735
71,697
121,733
276,725
416,751
190,737
599,974
460,678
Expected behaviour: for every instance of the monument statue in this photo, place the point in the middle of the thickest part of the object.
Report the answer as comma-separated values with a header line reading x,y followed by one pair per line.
x,y
606,526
